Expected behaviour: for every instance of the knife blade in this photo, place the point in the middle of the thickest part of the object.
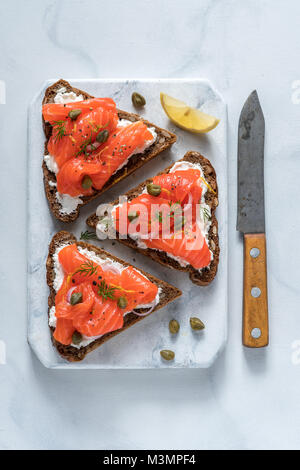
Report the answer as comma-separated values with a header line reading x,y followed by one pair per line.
x,y
251,222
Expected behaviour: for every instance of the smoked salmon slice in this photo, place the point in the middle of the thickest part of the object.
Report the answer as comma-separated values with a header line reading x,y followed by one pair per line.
x,y
98,312
163,223
192,247
124,142
71,138
103,162
56,111
103,318
152,215
79,151
137,290
178,185
64,331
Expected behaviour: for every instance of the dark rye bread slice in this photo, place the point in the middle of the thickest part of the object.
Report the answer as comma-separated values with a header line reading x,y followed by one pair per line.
x,y
163,141
168,294
206,275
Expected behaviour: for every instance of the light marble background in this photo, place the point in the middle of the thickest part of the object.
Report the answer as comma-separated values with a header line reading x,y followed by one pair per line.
x,y
248,399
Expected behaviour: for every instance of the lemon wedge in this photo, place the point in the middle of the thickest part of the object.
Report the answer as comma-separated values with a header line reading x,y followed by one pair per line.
x,y
190,119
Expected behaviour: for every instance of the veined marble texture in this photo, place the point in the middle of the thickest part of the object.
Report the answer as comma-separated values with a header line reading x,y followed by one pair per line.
x,y
248,399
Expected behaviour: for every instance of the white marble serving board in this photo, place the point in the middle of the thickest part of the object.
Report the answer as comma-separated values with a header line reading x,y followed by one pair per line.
x,y
138,347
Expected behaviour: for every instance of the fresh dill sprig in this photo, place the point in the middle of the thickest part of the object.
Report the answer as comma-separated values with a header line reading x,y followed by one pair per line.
x,y
176,210
59,128
205,214
88,235
159,216
176,204
88,142
105,291
175,213
83,147
87,269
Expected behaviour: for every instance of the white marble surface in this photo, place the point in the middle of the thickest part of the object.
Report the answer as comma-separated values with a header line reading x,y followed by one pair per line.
x,y
248,399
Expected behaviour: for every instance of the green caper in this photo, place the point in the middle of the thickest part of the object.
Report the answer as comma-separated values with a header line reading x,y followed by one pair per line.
x,y
76,337
74,113
86,182
102,136
196,323
138,100
154,189
76,298
122,302
132,215
167,355
174,326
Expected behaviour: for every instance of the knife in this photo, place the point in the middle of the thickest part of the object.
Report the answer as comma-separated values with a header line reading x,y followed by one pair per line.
x,y
251,222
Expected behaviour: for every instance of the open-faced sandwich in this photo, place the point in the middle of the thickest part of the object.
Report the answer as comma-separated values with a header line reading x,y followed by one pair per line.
x,y
95,295
90,146
171,218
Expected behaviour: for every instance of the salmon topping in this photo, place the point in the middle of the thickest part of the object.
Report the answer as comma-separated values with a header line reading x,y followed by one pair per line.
x,y
78,148
97,309
171,222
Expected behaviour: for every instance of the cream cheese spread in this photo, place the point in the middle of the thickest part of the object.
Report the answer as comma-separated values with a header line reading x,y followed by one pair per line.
x,y
63,96
51,163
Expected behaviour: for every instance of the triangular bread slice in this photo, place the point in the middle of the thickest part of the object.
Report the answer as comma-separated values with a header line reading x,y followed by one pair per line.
x,y
201,277
163,141
168,293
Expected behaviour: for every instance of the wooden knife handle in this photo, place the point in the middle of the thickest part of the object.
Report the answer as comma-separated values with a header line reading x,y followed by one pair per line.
x,y
255,318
